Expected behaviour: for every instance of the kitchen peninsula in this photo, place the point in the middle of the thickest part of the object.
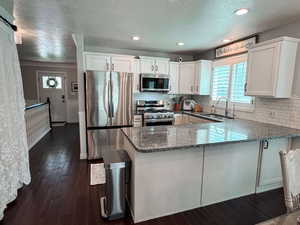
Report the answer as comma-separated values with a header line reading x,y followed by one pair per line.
x,y
177,168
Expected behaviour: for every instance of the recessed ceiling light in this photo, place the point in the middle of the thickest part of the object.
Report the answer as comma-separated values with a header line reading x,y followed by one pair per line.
x,y
180,43
241,12
226,40
136,38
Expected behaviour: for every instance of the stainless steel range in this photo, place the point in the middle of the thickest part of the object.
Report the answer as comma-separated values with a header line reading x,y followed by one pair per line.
x,y
155,113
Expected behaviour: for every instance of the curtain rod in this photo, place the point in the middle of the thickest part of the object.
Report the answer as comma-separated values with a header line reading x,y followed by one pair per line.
x,y
12,26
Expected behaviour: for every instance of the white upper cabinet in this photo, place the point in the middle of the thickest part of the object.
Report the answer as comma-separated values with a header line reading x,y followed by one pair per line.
x,y
136,75
162,66
270,69
147,65
203,77
154,65
187,77
174,77
121,64
94,61
108,62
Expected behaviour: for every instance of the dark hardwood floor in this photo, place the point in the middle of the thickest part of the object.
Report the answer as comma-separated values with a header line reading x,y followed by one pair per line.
x,y
59,193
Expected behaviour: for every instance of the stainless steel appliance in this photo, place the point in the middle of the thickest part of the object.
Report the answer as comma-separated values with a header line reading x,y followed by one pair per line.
x,y
155,82
155,113
117,174
108,97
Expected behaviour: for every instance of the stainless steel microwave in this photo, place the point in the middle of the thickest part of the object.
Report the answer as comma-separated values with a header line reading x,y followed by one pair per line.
x,y
155,82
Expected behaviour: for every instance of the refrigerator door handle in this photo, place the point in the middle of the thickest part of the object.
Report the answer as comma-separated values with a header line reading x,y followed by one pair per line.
x,y
106,98
111,100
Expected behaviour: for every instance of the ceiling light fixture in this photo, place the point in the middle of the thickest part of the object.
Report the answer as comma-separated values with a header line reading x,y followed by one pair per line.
x,y
226,40
241,12
180,43
136,38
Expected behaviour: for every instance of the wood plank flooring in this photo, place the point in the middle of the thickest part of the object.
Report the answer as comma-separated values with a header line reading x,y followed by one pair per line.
x,y
59,193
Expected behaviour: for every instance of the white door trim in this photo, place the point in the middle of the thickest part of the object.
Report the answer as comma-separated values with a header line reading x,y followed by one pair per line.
x,y
64,75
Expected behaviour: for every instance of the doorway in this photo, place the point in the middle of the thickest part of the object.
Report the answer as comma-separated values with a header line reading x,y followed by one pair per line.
x,y
52,85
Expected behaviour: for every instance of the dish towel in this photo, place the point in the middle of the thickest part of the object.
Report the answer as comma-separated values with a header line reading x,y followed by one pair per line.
x,y
290,165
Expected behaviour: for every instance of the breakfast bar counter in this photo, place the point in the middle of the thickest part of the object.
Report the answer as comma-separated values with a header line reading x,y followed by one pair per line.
x,y
178,168
166,138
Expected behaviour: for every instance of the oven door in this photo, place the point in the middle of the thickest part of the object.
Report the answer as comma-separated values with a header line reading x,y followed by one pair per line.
x,y
155,82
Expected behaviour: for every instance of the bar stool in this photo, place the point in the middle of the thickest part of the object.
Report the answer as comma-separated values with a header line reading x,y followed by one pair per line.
x,y
290,165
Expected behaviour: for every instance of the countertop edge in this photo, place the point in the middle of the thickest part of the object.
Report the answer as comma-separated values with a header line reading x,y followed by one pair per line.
x,y
141,150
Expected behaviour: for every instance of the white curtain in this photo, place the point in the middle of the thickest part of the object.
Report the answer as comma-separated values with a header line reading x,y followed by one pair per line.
x,y
14,164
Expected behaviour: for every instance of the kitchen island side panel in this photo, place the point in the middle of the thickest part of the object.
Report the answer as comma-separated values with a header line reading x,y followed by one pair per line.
x,y
167,182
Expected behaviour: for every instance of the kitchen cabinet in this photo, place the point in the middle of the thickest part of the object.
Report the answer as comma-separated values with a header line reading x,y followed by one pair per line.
x,y
121,64
187,77
174,78
94,61
154,65
270,69
103,62
203,77
269,171
195,77
186,119
137,121
136,75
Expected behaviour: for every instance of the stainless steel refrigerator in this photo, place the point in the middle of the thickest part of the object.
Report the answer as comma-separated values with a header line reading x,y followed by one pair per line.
x,y
108,97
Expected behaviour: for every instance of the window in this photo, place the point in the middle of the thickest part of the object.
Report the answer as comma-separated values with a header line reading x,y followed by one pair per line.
x,y
229,79
52,82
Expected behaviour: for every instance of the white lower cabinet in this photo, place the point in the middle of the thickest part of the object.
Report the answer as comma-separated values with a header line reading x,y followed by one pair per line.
x,y
269,171
229,171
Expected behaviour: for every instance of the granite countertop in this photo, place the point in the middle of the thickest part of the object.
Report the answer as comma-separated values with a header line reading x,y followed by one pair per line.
x,y
164,138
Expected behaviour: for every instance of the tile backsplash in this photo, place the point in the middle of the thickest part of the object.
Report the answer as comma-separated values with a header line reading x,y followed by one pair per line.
x,y
283,112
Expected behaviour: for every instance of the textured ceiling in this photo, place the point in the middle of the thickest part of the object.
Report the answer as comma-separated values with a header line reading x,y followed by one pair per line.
x,y
47,25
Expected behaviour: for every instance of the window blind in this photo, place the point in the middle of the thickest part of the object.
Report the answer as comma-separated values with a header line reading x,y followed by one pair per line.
x,y
238,84
220,81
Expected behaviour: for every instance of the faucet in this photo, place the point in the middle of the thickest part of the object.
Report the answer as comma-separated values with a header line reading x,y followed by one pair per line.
x,y
226,104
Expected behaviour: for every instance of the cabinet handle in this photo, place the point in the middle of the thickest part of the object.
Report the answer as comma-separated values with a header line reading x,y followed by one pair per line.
x,y
113,67
152,68
245,87
107,66
156,68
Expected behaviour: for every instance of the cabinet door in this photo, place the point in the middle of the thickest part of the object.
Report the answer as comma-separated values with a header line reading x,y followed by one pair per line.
x,y
121,64
203,77
97,62
261,72
270,176
186,78
162,66
174,76
136,75
147,65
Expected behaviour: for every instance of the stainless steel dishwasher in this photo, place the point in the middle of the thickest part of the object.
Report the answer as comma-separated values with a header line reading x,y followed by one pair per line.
x,y
117,173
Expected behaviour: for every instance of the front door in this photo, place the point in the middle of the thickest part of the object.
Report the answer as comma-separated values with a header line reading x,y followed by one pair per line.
x,y
52,85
